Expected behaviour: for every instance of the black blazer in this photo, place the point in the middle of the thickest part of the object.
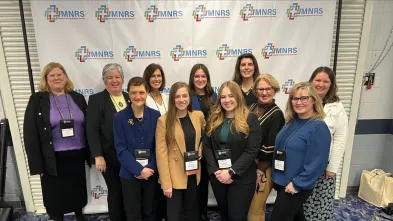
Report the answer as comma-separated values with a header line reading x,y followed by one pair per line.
x,y
244,150
37,132
99,126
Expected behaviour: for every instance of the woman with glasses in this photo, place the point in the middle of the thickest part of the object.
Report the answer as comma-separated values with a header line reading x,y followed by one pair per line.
x,y
301,152
319,205
271,119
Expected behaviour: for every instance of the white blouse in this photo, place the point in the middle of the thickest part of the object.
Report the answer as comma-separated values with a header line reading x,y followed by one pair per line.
x,y
154,105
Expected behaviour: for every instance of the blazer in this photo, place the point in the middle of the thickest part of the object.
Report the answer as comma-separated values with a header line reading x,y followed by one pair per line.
x,y
244,150
99,126
337,122
37,132
128,137
170,160
195,102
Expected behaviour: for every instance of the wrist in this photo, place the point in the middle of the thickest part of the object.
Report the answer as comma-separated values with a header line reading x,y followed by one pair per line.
x,y
231,172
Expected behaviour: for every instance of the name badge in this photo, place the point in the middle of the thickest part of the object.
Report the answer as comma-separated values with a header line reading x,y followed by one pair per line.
x,y
67,128
224,159
142,156
191,164
279,160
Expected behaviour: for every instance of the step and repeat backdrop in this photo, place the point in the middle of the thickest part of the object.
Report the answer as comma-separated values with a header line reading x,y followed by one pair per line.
x,y
289,39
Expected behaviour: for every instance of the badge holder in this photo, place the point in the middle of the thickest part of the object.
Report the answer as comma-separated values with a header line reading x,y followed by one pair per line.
x,y
191,164
279,160
67,128
142,156
224,159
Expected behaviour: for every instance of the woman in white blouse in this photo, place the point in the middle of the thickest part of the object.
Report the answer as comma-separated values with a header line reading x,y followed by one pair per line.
x,y
319,205
155,79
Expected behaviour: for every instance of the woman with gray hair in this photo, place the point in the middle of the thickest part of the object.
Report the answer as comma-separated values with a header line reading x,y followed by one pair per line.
x,y
99,126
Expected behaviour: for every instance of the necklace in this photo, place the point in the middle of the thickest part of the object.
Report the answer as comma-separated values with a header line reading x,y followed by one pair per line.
x,y
163,103
140,119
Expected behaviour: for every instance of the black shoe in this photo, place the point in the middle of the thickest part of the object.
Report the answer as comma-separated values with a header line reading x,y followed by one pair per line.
x,y
81,218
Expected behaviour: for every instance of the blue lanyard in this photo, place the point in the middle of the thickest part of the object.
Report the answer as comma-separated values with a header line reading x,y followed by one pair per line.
x,y
284,135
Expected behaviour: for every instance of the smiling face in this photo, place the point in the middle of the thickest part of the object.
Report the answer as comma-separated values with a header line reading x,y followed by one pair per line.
x,y
227,100
56,79
303,104
247,68
182,99
265,92
322,83
114,82
138,95
155,80
200,79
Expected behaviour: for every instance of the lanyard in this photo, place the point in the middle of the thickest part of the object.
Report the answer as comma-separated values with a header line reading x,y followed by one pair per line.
x,y
156,102
284,135
58,109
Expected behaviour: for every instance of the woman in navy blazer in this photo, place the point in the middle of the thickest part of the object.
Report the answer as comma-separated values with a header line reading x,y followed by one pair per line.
x,y
203,98
133,130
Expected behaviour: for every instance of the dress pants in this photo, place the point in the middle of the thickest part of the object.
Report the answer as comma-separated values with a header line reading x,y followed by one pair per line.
x,y
233,199
183,204
203,192
138,198
115,193
257,209
289,207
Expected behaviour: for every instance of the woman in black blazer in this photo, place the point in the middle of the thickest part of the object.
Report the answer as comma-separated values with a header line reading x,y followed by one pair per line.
x,y
99,118
231,144
54,137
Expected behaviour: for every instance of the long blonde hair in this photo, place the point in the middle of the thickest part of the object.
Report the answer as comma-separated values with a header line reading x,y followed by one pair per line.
x,y
171,114
69,86
218,113
318,114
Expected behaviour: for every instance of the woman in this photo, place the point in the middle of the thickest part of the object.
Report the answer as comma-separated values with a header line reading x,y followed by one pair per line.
x,y
135,148
231,146
155,78
301,152
102,107
319,205
271,119
55,142
246,72
179,149
203,97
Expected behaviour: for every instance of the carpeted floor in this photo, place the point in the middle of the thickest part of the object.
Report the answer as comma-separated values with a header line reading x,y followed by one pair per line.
x,y
350,208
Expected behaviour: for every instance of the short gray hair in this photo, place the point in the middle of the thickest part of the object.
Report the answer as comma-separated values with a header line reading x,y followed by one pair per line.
x,y
109,68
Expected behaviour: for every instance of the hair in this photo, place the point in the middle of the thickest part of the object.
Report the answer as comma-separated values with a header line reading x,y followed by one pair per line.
x,y
149,71
208,89
136,81
270,80
171,114
218,113
318,114
69,86
108,68
237,77
331,96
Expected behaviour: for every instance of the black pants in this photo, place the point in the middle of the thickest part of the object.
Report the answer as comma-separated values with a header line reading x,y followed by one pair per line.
x,y
183,204
56,216
159,203
115,194
233,200
203,192
289,207
138,198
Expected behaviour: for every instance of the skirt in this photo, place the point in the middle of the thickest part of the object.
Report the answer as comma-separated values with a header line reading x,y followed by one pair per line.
x,y
320,204
66,192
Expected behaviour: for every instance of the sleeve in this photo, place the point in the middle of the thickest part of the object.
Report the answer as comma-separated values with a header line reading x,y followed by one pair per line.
x,y
267,149
93,126
153,162
317,154
208,154
252,147
162,155
31,138
339,140
127,160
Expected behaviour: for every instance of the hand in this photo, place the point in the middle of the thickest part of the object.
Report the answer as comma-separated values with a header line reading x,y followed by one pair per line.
x,y
200,157
168,192
329,174
258,181
100,164
290,189
146,173
224,177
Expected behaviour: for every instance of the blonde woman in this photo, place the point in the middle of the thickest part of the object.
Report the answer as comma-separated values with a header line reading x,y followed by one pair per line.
x,y
301,152
231,144
178,151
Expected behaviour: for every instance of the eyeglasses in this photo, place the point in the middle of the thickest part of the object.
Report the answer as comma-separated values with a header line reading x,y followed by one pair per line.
x,y
302,99
268,89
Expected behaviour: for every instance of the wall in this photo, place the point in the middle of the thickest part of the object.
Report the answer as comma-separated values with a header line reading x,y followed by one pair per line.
x,y
373,144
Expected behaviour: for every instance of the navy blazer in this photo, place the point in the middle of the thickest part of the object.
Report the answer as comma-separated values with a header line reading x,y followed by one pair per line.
x,y
128,137
195,101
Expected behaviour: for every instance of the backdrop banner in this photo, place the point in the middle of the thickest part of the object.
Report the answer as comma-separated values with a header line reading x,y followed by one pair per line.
x,y
289,39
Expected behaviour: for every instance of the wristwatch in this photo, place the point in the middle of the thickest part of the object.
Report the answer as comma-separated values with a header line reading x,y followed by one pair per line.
x,y
231,172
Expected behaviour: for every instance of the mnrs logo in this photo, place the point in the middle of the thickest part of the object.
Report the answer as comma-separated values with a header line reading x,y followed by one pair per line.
x,y
178,53
201,12
98,192
249,11
287,86
152,13
271,50
295,11
83,54
104,13
53,13
131,53
225,51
